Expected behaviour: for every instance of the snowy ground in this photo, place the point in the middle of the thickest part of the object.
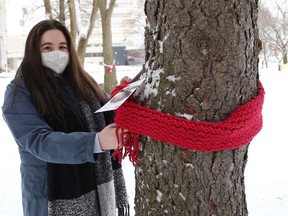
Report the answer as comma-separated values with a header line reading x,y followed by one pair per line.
x,y
266,171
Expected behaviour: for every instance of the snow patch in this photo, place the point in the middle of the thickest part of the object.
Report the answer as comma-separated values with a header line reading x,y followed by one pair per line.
x,y
173,93
173,78
189,165
159,175
161,42
182,196
185,115
154,76
159,195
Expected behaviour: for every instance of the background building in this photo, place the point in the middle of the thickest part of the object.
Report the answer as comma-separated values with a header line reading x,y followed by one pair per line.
x,y
127,37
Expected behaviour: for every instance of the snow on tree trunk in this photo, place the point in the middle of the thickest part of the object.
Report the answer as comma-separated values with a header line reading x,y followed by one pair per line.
x,y
201,64
83,40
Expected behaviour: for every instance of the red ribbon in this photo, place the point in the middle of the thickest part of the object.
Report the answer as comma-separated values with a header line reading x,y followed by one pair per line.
x,y
110,67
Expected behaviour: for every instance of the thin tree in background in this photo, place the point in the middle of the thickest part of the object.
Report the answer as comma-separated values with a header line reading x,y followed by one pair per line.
x,y
62,11
48,9
273,29
210,51
106,11
73,20
83,41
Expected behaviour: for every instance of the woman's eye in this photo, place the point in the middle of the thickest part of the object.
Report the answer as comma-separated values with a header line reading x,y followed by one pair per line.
x,y
47,48
63,48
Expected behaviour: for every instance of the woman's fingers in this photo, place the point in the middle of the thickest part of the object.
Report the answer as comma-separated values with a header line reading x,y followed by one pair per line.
x,y
108,137
124,80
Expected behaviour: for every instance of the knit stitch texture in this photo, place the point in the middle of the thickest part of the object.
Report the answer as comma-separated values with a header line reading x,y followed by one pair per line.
x,y
237,130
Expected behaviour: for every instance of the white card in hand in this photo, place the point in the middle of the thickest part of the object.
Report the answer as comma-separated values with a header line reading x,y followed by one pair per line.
x,y
121,96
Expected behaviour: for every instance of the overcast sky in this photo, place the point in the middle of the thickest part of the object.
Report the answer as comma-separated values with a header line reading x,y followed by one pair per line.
x,y
15,14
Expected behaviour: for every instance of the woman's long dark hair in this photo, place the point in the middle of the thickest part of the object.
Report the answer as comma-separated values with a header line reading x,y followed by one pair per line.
x,y
41,82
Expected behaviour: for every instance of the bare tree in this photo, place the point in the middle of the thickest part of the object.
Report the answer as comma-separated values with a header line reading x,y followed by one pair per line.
x,y
73,20
273,29
214,73
81,50
108,55
136,25
48,8
62,11
137,17
265,19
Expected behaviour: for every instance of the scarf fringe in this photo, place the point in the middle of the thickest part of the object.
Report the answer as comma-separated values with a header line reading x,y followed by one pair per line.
x,y
129,146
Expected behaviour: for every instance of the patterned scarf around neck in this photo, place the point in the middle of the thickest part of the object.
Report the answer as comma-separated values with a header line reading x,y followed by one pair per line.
x,y
110,180
108,197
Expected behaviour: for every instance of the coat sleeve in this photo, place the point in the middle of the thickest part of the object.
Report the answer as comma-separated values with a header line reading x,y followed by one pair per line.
x,y
34,136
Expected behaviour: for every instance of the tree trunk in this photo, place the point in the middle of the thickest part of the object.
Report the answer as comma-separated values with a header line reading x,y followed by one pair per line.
x,y
110,80
62,11
210,50
73,20
83,41
285,58
48,9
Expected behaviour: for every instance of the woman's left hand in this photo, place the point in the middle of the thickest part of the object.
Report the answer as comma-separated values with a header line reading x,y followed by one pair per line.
x,y
125,80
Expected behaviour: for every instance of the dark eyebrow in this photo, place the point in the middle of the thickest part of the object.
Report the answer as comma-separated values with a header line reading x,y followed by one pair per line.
x,y
44,44
63,43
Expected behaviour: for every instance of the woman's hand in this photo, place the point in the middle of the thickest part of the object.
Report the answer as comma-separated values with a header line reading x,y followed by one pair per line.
x,y
125,80
107,137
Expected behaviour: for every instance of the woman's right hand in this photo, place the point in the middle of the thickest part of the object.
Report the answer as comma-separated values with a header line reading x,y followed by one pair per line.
x,y
107,137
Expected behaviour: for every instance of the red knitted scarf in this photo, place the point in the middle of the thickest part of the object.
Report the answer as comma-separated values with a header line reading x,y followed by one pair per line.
x,y
237,130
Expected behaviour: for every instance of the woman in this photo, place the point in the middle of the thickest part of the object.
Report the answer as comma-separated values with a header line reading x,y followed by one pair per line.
x,y
66,165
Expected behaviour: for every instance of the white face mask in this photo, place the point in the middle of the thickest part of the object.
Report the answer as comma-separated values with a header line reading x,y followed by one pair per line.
x,y
56,60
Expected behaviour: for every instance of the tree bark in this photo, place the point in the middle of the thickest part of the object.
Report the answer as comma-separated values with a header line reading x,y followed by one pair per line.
x,y
110,80
48,9
73,20
62,11
210,50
